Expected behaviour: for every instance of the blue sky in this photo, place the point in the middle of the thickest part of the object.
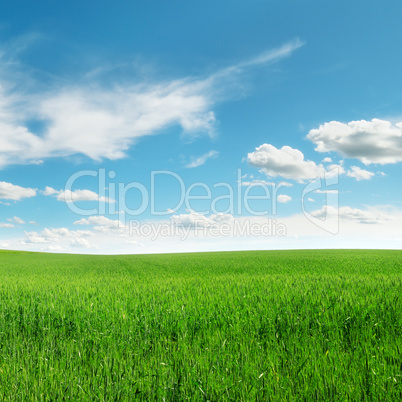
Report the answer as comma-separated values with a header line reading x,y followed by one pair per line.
x,y
296,102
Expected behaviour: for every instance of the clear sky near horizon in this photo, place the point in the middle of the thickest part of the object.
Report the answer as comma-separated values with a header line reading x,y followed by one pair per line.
x,y
189,110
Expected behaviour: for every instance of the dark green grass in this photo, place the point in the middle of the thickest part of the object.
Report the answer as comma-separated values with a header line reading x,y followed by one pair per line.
x,y
286,325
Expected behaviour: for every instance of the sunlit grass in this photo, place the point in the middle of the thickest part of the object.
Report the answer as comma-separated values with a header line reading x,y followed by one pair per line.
x,y
289,325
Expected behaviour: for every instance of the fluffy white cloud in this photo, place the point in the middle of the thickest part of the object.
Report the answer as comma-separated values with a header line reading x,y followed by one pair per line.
x,y
359,174
375,141
283,198
104,122
202,159
76,195
191,220
56,237
50,191
99,220
10,191
103,224
286,162
335,170
64,232
34,238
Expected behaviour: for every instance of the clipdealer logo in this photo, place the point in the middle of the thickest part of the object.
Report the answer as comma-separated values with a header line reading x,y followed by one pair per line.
x,y
213,221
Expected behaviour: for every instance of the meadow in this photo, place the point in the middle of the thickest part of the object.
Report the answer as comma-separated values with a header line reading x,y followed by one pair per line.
x,y
236,326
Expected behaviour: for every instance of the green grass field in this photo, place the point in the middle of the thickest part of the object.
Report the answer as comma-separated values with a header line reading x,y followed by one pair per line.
x,y
265,325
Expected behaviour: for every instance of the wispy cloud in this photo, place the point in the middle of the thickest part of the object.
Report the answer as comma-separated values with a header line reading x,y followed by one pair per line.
x,y
351,214
17,220
202,159
265,58
6,225
104,122
359,174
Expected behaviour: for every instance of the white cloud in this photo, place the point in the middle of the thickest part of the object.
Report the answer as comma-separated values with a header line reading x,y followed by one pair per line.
x,y
34,238
327,160
191,220
99,221
54,248
80,242
310,200
10,191
359,174
326,191
375,141
134,243
64,232
50,191
103,224
284,184
17,220
257,183
98,122
76,195
372,227
266,183
6,225
351,214
335,170
286,162
58,237
283,198
220,218
196,220
202,159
